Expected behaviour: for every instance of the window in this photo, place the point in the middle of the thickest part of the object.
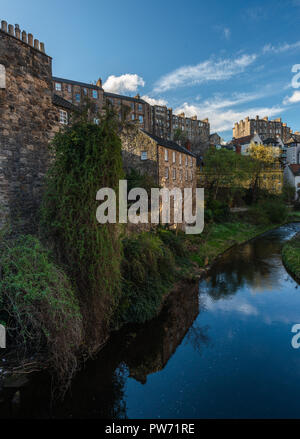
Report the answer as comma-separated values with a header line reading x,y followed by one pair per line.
x,y
133,116
191,161
174,157
132,105
58,86
166,155
186,175
141,119
167,173
180,159
174,174
186,160
95,94
2,76
63,117
85,91
69,88
140,107
180,174
144,155
191,175
77,97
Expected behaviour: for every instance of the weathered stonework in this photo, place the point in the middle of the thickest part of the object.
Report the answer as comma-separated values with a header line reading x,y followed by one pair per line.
x,y
27,121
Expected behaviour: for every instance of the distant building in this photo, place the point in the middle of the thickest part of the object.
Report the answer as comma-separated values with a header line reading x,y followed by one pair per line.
x,y
139,110
292,177
264,127
242,144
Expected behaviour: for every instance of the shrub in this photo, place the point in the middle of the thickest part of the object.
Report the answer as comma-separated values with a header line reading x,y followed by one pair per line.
x,y
276,210
175,242
268,211
148,268
220,211
39,305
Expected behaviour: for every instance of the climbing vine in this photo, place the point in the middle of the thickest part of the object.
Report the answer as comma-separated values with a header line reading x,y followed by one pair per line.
x,y
87,156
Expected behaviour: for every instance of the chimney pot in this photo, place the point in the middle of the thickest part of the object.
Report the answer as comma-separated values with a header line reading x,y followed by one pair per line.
x,y
24,37
42,47
37,44
4,26
30,40
11,30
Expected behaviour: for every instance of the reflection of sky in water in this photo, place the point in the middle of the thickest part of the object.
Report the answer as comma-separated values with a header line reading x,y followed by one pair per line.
x,y
236,360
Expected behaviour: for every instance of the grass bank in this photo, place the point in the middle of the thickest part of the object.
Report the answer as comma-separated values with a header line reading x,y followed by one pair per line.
x,y
291,256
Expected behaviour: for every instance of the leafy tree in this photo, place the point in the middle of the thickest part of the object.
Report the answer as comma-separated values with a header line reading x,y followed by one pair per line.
x,y
223,168
261,158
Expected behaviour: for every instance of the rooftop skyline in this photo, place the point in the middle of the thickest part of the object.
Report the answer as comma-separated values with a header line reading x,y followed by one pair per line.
x,y
221,60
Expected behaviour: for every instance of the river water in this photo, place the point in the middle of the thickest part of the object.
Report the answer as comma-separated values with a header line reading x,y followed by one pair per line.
x,y
220,350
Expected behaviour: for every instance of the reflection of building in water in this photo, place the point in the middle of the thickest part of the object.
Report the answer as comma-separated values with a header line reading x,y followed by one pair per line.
x,y
157,342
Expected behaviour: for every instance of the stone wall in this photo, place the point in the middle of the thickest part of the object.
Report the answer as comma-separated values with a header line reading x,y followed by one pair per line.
x,y
134,142
27,122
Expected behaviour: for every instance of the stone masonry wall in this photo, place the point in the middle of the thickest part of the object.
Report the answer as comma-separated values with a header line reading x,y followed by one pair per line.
x,y
27,122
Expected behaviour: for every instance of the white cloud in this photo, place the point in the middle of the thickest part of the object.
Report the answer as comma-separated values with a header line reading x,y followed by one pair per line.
x,y
224,120
292,99
124,83
269,48
153,101
227,33
206,71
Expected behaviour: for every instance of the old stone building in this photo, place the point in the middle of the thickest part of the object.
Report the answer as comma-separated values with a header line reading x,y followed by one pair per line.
x,y
265,128
77,92
34,105
138,110
170,164
167,125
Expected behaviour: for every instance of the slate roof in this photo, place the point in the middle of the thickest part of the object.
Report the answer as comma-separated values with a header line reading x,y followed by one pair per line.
x,y
127,98
61,102
242,140
295,169
81,84
169,144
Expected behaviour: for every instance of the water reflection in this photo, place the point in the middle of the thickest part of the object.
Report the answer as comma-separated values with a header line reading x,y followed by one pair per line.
x,y
137,352
222,349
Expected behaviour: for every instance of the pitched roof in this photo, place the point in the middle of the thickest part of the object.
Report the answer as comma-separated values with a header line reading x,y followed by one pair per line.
x,y
81,84
127,98
242,140
61,102
295,169
169,144
270,140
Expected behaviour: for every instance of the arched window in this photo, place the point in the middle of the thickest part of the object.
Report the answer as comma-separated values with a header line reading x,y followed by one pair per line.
x,y
2,76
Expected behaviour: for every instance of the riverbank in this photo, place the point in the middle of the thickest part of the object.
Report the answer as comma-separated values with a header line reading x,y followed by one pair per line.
x,y
155,265
291,256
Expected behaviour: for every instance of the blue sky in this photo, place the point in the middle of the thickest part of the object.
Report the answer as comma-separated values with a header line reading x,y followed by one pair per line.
x,y
218,59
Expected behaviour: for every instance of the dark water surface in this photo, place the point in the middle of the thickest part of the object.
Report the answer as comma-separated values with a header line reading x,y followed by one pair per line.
x,y
220,351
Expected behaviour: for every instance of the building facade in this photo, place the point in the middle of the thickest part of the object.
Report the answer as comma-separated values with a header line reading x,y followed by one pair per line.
x,y
170,164
28,120
264,127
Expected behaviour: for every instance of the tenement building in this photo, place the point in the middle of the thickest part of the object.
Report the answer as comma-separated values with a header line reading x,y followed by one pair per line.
x,y
167,125
264,127
138,110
